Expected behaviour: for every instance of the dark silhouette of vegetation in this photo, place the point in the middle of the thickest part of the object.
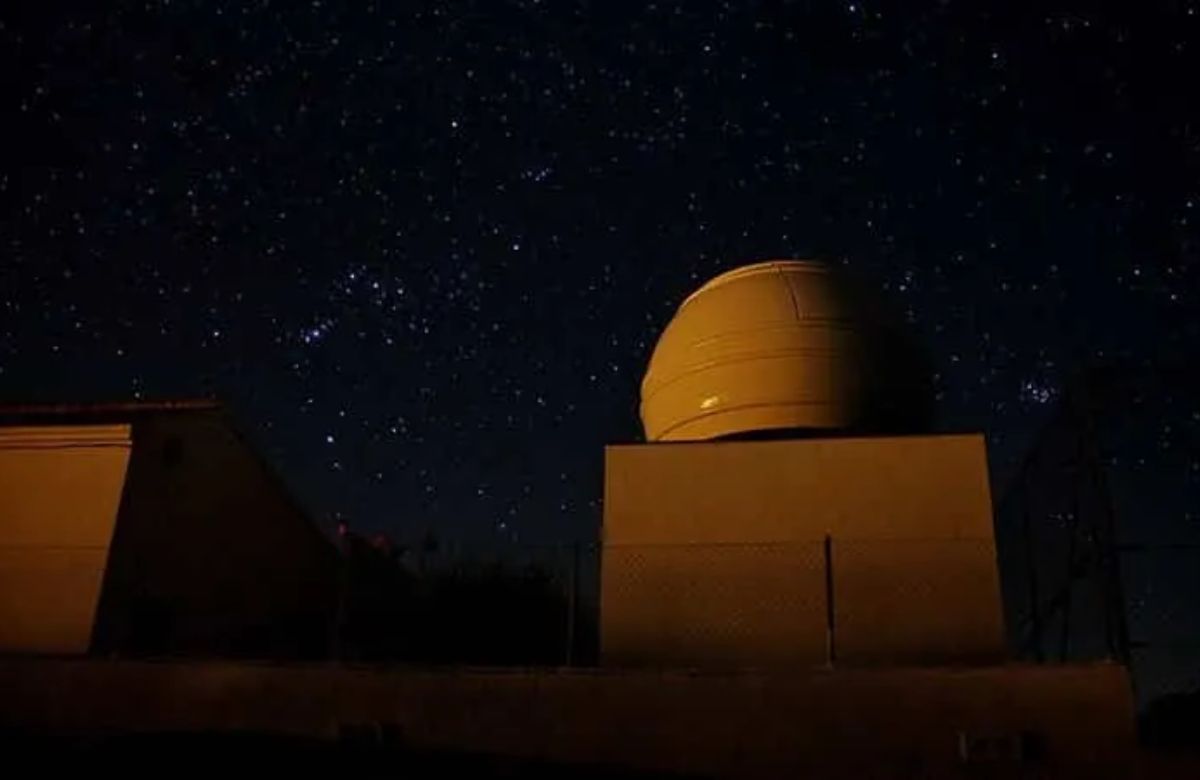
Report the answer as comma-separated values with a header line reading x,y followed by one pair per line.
x,y
419,606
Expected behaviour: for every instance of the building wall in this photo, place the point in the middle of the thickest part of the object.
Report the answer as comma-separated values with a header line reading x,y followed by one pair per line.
x,y
211,556
714,552
59,492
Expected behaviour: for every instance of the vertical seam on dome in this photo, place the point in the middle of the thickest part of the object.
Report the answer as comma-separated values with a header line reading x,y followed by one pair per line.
x,y
791,292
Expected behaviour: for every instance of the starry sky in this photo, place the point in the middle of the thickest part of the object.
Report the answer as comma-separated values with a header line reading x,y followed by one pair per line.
x,y
423,250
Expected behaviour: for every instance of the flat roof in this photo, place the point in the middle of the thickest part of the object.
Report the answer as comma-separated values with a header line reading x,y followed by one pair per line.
x,y
104,411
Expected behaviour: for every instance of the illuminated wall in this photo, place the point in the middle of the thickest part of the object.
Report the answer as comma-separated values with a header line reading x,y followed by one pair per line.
x,y
714,552
162,535
60,489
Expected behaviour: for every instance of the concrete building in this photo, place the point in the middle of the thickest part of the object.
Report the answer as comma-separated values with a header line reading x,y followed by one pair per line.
x,y
152,529
834,538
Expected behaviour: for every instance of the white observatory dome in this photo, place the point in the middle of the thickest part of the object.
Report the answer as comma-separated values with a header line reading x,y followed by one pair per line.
x,y
783,346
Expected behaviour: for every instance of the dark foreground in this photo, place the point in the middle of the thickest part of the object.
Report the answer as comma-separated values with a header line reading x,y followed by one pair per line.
x,y
232,755
354,755
246,719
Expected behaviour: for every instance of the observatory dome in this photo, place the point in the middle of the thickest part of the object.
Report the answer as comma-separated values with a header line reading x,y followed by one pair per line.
x,y
783,346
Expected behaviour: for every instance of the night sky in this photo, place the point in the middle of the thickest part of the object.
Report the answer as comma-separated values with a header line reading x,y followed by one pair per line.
x,y
423,250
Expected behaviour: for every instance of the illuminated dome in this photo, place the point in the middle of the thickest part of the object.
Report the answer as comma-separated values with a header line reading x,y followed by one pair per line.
x,y
782,347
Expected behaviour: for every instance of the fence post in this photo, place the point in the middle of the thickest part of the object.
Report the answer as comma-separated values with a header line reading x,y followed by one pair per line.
x,y
830,612
1035,614
337,638
572,604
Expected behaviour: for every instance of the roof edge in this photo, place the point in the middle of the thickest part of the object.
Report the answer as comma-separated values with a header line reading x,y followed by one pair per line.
x,y
107,408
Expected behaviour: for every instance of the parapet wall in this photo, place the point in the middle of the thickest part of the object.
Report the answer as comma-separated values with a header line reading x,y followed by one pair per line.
x,y
1071,721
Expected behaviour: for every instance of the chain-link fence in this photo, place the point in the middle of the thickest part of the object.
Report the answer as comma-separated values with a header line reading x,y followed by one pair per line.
x,y
715,603
468,604
574,604
744,604
803,603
